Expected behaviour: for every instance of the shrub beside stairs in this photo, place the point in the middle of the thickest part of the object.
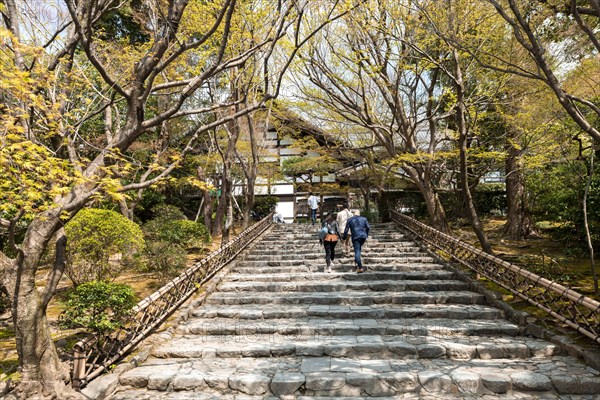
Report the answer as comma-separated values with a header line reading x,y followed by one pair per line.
x,y
279,327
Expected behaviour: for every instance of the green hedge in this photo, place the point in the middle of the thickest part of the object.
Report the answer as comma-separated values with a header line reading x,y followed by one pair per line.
x,y
100,243
98,306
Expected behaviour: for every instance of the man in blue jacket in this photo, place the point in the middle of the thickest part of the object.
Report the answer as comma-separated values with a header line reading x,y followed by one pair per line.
x,y
359,228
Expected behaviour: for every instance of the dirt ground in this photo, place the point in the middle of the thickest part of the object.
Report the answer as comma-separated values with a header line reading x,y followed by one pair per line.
x,y
144,284
543,255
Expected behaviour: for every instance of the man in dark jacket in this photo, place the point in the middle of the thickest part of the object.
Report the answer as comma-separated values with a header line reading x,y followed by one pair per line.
x,y
359,228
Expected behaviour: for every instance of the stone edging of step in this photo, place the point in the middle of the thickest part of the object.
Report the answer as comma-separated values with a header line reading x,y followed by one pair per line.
x,y
105,385
527,322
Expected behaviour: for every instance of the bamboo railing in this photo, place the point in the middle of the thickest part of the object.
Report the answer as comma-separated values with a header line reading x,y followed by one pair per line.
x,y
567,306
94,355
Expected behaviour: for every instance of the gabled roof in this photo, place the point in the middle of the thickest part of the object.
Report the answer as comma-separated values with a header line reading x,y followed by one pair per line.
x,y
295,123
355,173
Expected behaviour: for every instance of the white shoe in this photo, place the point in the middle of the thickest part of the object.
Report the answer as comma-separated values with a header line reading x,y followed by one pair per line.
x,y
328,269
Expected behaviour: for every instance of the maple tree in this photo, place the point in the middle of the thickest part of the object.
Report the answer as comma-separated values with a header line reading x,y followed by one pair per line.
x,y
78,100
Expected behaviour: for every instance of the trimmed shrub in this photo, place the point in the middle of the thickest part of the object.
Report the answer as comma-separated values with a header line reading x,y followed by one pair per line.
x,y
170,225
98,306
100,243
167,211
164,259
263,205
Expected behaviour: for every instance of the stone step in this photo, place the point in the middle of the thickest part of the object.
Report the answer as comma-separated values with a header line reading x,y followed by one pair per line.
x,y
390,264
258,267
357,347
287,253
312,234
393,259
333,376
371,276
340,285
312,255
307,242
251,312
386,238
316,247
407,328
292,244
340,327
298,228
314,231
358,298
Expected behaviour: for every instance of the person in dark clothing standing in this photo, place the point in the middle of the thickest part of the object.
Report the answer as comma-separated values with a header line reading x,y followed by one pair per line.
x,y
359,227
330,239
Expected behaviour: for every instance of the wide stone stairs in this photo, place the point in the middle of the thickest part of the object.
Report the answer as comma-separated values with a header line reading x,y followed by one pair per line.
x,y
281,327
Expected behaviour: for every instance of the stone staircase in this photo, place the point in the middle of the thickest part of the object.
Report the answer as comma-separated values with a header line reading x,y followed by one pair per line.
x,y
281,327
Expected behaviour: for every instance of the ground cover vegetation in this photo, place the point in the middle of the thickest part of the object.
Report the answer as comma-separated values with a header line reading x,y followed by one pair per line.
x,y
132,135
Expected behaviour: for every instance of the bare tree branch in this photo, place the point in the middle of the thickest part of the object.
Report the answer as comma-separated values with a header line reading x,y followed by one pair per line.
x,y
84,29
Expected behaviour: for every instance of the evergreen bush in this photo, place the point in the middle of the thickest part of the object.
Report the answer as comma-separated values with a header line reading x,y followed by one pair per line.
x,y
100,243
169,225
263,205
98,306
164,259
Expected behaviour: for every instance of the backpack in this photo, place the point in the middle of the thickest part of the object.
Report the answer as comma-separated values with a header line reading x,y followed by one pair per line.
x,y
323,232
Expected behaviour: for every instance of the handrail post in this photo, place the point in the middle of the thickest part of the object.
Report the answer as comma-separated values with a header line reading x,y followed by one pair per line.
x,y
79,364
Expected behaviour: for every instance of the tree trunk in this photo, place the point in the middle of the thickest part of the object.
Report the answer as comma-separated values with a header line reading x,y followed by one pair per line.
x,y
221,205
365,194
206,202
126,211
251,171
249,203
588,236
233,131
468,198
461,115
435,209
228,219
223,212
519,224
207,210
42,373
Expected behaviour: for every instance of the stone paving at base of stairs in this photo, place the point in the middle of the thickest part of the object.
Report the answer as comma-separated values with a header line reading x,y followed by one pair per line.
x,y
409,328
336,376
156,395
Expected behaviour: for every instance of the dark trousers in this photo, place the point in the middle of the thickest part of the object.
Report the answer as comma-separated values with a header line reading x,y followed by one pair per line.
x,y
313,215
357,244
329,252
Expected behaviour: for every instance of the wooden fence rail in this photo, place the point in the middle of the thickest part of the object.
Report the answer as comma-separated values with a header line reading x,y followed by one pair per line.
x,y
569,307
94,355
